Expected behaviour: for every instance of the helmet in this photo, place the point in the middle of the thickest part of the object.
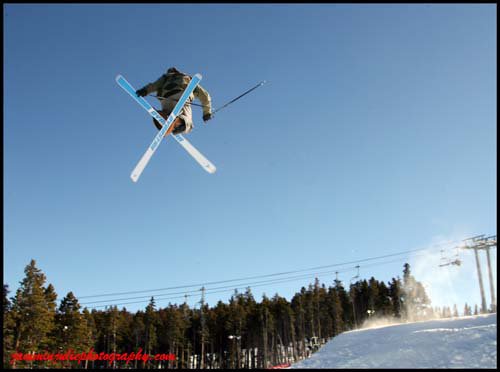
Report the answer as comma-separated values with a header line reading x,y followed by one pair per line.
x,y
173,70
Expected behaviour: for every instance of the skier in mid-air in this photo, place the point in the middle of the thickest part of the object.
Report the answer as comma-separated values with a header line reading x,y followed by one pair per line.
x,y
169,88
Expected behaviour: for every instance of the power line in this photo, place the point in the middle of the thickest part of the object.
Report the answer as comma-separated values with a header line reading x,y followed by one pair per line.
x,y
263,276
242,285
213,291
231,288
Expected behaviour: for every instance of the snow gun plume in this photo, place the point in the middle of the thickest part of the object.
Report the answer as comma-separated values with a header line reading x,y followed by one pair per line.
x,y
433,283
446,283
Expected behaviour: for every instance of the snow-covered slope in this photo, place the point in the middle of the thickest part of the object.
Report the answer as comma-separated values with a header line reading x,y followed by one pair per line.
x,y
468,342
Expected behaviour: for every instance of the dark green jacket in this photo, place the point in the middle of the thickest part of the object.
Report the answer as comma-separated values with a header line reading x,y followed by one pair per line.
x,y
172,83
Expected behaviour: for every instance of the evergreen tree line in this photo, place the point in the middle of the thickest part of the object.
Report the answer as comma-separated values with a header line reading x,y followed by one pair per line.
x,y
242,333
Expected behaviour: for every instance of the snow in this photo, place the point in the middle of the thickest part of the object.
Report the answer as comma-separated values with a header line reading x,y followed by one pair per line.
x,y
466,342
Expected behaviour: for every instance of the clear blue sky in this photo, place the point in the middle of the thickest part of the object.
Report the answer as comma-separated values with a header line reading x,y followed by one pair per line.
x,y
375,134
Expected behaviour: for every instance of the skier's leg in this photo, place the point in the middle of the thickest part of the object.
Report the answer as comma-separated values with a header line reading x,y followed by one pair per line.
x,y
156,123
178,123
166,108
180,127
184,121
186,116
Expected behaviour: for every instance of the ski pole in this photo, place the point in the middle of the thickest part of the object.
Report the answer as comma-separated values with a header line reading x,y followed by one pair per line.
x,y
237,98
173,99
220,108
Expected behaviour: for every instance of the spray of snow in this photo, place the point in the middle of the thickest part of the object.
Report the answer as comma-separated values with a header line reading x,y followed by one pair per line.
x,y
450,284
379,322
445,284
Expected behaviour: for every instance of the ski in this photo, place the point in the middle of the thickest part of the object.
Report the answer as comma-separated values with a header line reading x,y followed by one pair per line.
x,y
209,167
204,162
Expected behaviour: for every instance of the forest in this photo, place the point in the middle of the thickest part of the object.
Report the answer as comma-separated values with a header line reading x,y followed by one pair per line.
x,y
242,333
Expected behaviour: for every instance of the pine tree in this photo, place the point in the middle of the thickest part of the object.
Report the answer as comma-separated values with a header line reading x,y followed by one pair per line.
x,y
415,298
284,320
109,331
345,302
316,309
300,330
373,295
251,339
395,293
332,311
70,332
383,301
365,300
309,313
33,311
267,322
8,327
151,322
446,312
89,340
172,328
139,332
467,310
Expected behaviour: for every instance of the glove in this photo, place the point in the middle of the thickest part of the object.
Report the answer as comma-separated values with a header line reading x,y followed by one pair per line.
x,y
207,117
142,92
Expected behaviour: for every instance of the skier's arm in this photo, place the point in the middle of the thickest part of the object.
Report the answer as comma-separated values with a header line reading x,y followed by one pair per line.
x,y
206,101
151,87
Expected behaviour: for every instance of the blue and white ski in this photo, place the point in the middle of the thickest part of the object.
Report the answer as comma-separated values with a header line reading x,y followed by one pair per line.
x,y
204,162
207,165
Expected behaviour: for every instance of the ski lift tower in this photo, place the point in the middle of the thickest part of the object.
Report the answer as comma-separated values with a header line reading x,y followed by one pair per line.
x,y
486,244
352,297
481,242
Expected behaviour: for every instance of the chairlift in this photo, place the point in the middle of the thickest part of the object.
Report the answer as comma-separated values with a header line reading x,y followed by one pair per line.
x,y
454,261
443,259
457,260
